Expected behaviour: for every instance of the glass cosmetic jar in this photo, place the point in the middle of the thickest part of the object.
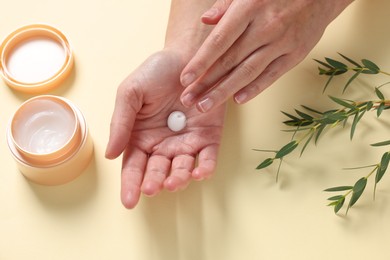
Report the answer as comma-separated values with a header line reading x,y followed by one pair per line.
x,y
49,139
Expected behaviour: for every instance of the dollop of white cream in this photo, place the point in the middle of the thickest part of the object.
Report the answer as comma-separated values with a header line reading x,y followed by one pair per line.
x,y
177,120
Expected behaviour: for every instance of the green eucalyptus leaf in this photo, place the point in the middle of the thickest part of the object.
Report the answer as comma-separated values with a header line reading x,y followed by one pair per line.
x,y
297,123
324,64
312,110
328,82
371,66
360,185
337,72
292,123
368,71
336,64
305,123
288,148
339,205
379,94
361,167
304,115
319,132
322,71
307,142
380,109
354,123
351,79
350,60
382,167
333,203
357,191
339,188
356,120
291,116
342,102
370,104
267,162
337,197
381,143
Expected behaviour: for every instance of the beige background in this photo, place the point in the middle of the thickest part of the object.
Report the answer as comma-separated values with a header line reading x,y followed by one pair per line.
x,y
238,214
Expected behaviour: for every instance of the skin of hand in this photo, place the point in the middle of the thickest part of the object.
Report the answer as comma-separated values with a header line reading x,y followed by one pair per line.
x,y
253,43
154,157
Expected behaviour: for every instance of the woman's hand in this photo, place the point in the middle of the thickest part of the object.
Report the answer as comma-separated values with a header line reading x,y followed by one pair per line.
x,y
154,157
253,44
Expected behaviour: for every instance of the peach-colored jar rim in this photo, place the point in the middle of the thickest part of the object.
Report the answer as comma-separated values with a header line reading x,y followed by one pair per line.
x,y
23,34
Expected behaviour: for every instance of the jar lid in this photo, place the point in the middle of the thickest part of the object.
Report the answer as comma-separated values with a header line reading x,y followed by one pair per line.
x,y
35,58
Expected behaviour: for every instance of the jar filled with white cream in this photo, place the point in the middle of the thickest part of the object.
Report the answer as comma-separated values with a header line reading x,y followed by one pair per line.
x,y
49,139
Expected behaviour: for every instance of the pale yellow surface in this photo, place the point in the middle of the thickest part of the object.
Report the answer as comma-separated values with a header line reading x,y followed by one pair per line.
x,y
238,214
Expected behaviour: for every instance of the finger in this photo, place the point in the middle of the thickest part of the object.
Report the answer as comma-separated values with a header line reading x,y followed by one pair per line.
x,y
157,170
207,162
226,32
273,72
133,167
240,77
215,13
242,48
180,176
127,105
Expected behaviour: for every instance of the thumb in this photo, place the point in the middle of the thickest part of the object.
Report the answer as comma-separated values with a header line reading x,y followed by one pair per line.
x,y
127,105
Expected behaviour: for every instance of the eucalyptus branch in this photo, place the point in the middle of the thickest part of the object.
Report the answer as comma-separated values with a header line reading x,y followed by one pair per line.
x,y
314,125
358,188
311,123
332,68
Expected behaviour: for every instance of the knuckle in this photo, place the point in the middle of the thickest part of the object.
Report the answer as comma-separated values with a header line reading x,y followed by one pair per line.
x,y
220,93
131,94
218,40
248,70
228,62
254,88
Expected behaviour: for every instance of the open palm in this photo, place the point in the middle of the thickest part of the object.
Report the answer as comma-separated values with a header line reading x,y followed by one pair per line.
x,y
154,157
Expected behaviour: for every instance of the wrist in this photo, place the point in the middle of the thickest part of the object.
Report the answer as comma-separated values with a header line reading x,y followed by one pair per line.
x,y
185,32
337,7
187,41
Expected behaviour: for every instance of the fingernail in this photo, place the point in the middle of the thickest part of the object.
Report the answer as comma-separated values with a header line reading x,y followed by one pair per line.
x,y
210,13
206,104
187,79
241,98
188,99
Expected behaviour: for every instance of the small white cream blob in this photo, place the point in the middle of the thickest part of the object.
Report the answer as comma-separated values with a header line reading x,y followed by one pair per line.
x,y
176,121
36,60
44,127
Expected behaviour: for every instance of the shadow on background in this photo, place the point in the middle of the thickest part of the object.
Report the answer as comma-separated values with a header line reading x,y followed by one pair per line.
x,y
70,196
179,224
